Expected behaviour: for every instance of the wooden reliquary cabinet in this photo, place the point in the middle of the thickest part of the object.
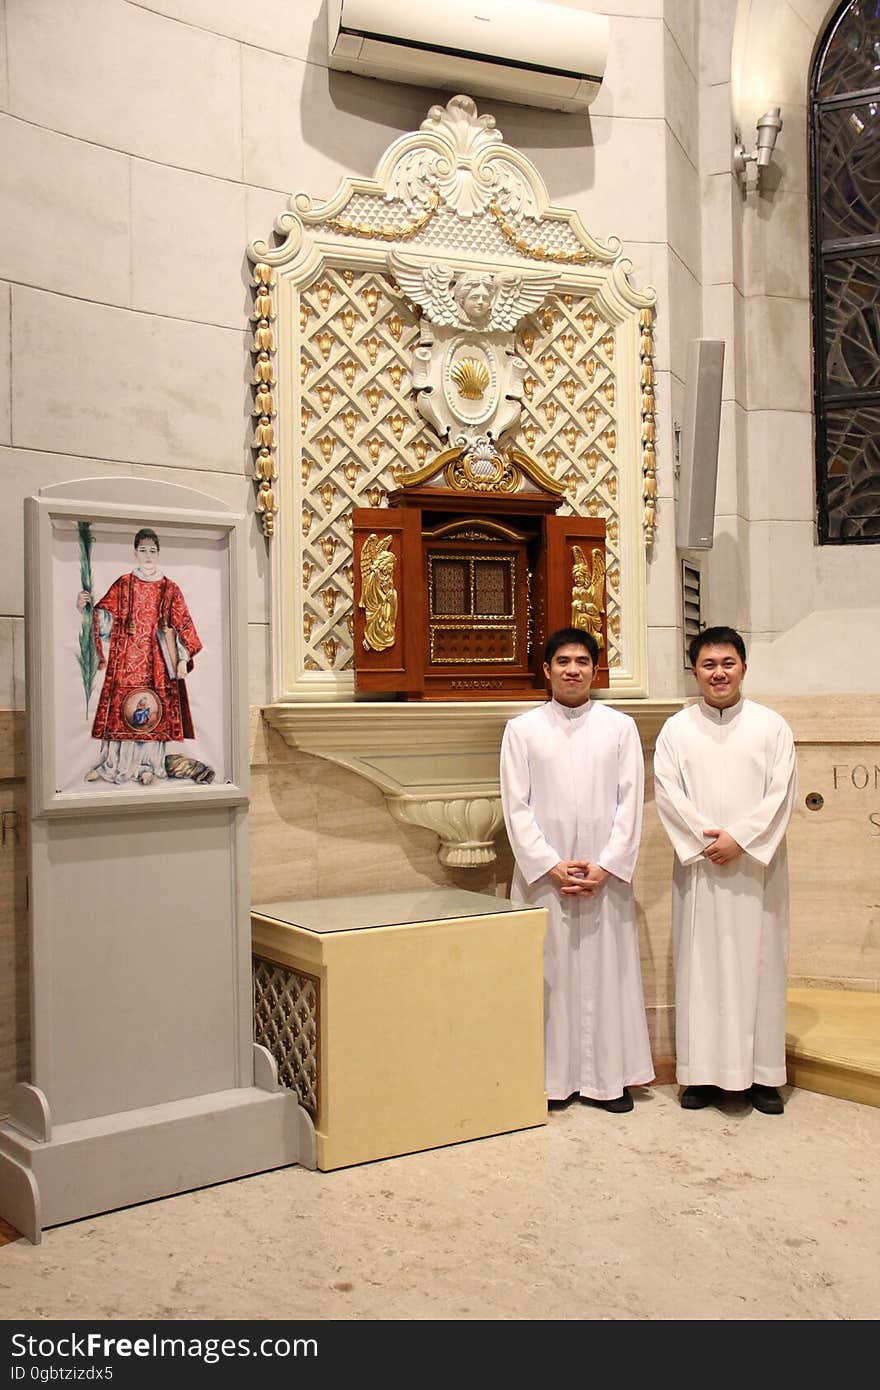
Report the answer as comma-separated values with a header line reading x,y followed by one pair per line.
x,y
460,579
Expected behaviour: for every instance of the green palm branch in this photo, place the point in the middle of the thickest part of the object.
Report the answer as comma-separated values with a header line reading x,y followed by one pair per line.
x,y
88,652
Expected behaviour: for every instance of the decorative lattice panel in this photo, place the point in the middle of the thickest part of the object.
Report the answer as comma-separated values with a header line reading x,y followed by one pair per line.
x,y
358,425
569,423
286,1004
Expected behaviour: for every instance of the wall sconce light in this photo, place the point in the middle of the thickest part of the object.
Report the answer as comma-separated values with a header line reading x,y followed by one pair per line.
x,y
748,167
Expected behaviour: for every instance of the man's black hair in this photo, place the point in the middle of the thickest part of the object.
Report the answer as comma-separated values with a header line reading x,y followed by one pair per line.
x,y
145,534
716,637
571,636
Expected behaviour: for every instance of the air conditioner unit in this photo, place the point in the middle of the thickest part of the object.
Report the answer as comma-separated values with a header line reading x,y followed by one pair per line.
x,y
526,51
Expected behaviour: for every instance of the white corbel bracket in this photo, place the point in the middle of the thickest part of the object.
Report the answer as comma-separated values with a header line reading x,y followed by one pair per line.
x,y
437,764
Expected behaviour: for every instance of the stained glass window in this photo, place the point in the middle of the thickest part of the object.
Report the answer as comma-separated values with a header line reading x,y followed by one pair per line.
x,y
845,204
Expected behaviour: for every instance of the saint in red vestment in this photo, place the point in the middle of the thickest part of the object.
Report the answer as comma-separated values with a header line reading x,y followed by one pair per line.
x,y
146,616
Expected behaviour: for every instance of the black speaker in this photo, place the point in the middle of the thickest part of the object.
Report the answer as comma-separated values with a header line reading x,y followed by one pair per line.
x,y
695,513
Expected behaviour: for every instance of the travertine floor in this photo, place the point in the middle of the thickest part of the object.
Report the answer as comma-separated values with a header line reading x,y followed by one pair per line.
x,y
658,1214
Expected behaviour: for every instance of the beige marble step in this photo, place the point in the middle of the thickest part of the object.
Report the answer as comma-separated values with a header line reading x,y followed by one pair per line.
x,y
833,1042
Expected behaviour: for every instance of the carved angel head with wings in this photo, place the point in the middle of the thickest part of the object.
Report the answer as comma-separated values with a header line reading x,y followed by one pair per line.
x,y
470,299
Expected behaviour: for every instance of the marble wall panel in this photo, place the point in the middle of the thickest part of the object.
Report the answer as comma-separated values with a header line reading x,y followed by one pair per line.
x,y
788,171
64,214
779,354
727,575
717,226
846,576
302,131
5,364
814,13
781,467
684,308
618,183
716,130
283,831
681,96
188,237
721,303
298,30
4,61
684,21
776,249
732,482
834,863
792,572
7,662
260,690
666,672
682,198
776,60
715,40
829,650
109,383
633,80
127,79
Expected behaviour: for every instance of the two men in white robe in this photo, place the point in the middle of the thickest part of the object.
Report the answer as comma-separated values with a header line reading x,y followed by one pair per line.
x,y
572,784
724,778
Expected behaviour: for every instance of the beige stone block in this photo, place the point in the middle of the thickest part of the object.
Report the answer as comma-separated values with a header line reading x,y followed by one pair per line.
x,y
685,314
641,9
825,642
681,95
779,354
343,126
815,13
259,664
7,663
665,662
126,78
682,21
715,40
721,239
663,585
298,30
846,576
4,60
781,551
282,826
682,199
835,917
776,249
110,383
781,468
263,206
209,279
618,182
777,53
13,761
64,214
5,364
633,80
716,130
722,304
727,576
731,487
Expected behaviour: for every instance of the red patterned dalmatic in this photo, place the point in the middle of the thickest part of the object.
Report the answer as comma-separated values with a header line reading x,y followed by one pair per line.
x,y
140,608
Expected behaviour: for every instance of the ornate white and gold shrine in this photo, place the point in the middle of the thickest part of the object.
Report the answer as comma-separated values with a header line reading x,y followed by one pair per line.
x,y
441,311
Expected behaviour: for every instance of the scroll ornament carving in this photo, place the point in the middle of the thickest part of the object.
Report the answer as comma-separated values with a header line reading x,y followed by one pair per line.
x,y
378,594
586,592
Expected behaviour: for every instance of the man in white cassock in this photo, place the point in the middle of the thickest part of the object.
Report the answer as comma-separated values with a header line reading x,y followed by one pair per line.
x,y
572,783
724,778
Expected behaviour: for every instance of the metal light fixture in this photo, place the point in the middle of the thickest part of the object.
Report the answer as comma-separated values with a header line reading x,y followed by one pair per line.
x,y
748,167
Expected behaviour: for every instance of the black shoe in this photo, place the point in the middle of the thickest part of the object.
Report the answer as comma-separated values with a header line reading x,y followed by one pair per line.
x,y
620,1105
766,1099
697,1097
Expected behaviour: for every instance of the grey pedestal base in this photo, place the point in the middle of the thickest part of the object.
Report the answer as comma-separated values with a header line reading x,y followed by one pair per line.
x,y
114,1161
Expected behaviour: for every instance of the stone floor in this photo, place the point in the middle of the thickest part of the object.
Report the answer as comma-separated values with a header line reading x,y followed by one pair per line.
x,y
660,1214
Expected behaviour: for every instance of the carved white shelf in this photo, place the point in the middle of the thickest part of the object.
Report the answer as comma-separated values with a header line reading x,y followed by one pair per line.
x,y
437,763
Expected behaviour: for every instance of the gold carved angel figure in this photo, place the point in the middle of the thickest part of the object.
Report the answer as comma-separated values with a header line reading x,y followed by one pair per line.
x,y
586,592
378,594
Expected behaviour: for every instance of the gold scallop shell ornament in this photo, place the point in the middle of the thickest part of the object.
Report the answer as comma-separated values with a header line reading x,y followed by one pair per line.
x,y
471,377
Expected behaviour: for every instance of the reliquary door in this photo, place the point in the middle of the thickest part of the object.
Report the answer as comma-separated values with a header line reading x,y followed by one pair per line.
x,y
575,581
389,628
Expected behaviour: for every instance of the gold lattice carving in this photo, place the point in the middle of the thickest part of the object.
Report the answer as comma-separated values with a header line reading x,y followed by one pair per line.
x,y
286,1023
569,420
359,422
